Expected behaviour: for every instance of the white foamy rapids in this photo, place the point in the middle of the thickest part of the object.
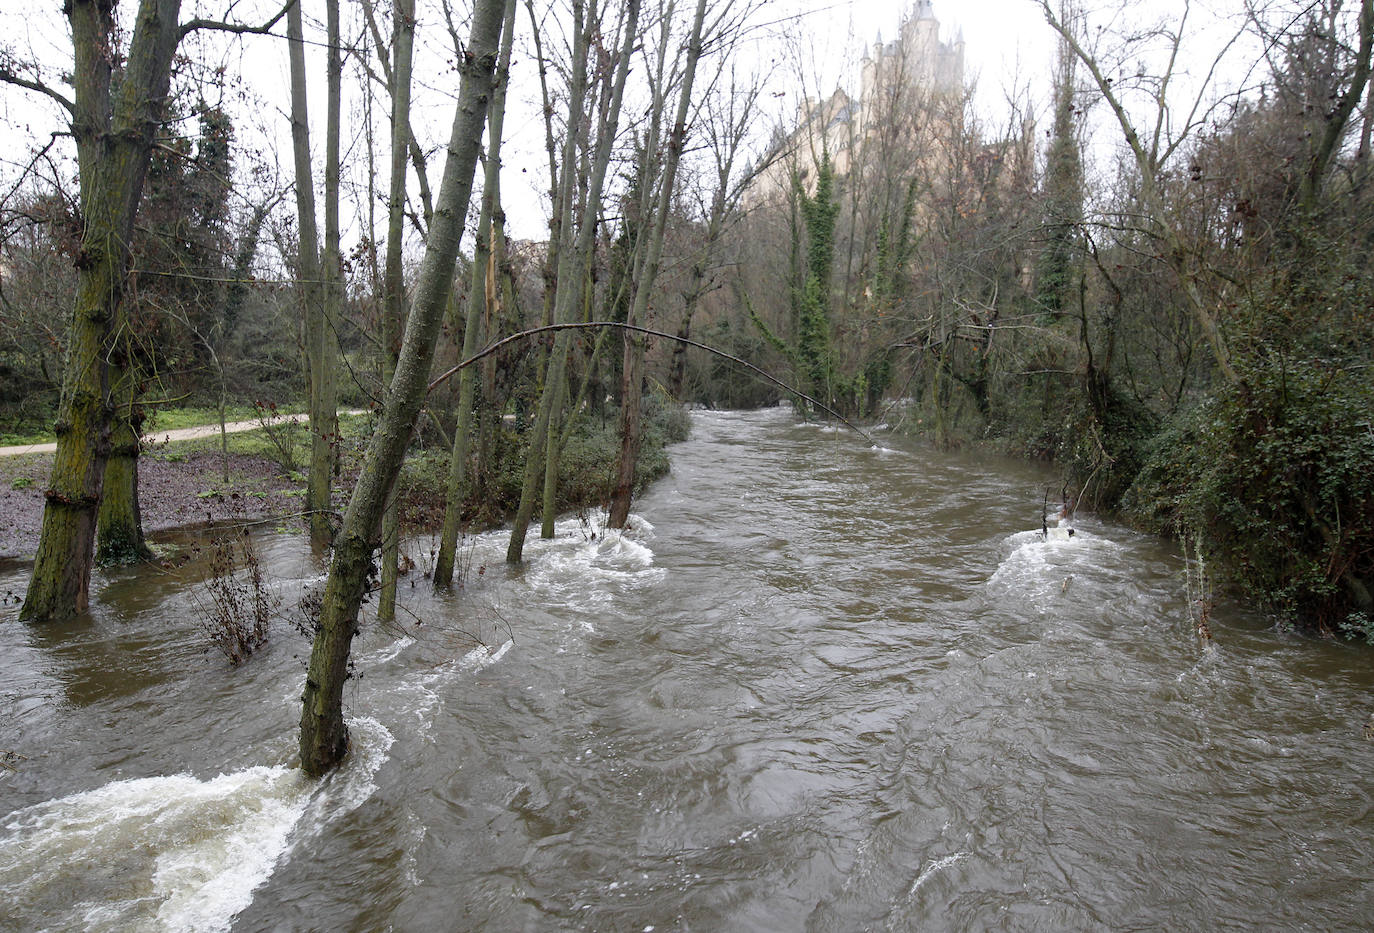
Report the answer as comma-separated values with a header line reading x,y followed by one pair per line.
x,y
483,657
170,853
940,864
1041,569
590,563
413,699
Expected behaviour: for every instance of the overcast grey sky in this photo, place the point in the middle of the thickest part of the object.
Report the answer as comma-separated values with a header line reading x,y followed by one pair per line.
x,y
817,44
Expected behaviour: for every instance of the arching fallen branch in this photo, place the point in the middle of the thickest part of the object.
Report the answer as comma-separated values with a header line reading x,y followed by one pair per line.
x,y
581,325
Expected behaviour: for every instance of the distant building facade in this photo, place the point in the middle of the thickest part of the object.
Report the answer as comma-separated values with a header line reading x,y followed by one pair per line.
x,y
915,80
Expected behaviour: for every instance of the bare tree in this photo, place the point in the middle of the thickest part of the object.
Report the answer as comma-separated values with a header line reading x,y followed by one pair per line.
x,y
324,736
1153,141
575,240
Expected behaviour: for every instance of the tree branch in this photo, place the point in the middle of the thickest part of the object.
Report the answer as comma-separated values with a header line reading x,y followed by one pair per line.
x,y
1340,117
8,76
584,325
237,28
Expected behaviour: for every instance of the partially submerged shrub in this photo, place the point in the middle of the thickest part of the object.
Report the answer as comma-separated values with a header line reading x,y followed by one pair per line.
x,y
240,606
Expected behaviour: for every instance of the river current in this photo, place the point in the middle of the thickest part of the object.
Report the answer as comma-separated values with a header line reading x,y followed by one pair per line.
x,y
817,686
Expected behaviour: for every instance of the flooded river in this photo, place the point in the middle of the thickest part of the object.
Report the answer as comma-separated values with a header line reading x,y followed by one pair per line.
x,y
818,687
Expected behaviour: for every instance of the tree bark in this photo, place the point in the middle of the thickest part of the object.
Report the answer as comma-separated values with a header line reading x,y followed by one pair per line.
x,y
324,736
119,522
324,422
313,286
570,264
402,56
631,420
474,332
114,129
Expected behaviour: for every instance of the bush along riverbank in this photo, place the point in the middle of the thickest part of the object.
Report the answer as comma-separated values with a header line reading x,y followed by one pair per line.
x,y
1269,479
586,469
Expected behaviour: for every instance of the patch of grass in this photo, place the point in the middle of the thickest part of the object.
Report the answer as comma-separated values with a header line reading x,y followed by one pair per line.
x,y
354,431
22,482
173,419
22,437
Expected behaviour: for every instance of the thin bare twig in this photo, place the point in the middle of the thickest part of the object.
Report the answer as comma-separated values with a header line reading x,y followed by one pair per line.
x,y
536,331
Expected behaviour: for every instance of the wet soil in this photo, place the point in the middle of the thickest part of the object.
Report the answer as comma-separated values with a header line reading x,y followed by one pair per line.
x,y
173,492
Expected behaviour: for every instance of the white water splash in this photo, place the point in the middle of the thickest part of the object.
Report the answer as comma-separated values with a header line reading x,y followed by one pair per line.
x,y
589,563
483,657
175,852
940,864
1042,569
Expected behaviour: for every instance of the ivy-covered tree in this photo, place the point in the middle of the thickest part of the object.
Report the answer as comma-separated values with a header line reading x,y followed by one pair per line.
x,y
1059,257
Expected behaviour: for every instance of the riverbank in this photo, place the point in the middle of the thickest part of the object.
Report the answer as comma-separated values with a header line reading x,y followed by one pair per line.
x,y
183,488
183,482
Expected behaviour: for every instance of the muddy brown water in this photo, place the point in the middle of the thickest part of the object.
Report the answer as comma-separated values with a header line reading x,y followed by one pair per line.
x,y
818,687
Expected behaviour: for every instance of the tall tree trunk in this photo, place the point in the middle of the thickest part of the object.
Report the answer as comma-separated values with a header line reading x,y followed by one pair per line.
x,y
308,263
571,262
113,128
324,422
474,332
318,273
549,271
500,305
631,421
393,310
324,736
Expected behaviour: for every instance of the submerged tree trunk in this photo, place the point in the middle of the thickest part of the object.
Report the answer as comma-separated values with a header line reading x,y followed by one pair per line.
x,y
571,262
402,55
119,523
474,332
324,736
631,421
113,128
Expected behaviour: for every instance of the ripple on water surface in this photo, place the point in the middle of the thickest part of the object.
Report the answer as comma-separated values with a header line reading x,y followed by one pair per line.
x,y
815,686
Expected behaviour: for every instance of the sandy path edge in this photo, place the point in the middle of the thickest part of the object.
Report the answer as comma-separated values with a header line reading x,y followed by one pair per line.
x,y
180,434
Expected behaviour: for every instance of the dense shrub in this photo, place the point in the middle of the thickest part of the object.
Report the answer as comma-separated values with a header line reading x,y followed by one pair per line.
x,y
1276,476
586,476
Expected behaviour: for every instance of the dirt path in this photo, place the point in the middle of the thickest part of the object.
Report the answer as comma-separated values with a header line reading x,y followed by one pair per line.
x,y
180,434
173,492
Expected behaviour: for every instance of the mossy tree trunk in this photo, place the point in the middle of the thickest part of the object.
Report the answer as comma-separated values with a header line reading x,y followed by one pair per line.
x,y
323,735
1059,258
119,523
113,124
